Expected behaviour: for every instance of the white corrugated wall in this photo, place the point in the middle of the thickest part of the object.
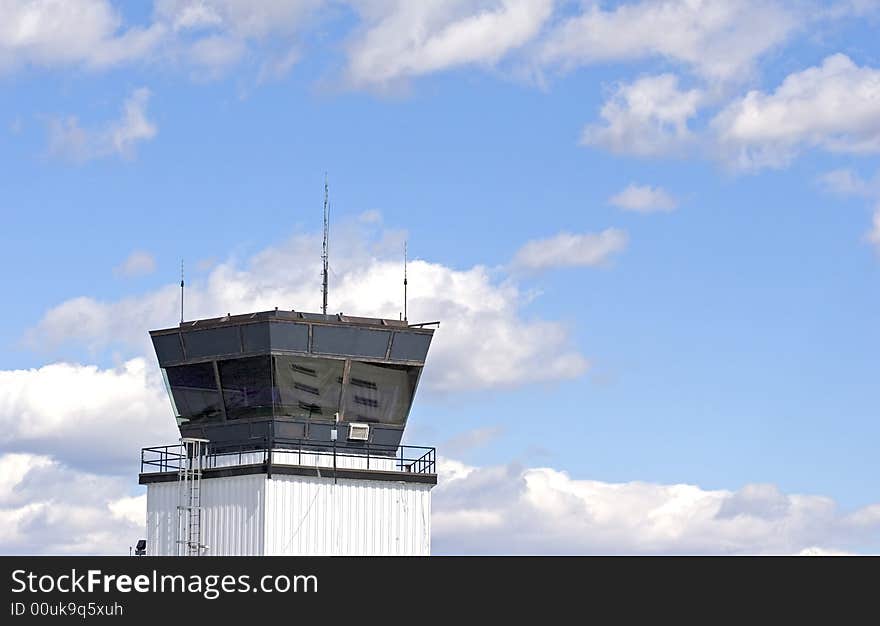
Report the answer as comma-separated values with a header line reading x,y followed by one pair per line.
x,y
298,515
233,511
306,515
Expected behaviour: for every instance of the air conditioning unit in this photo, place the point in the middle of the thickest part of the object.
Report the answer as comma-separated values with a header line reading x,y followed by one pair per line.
x,y
358,432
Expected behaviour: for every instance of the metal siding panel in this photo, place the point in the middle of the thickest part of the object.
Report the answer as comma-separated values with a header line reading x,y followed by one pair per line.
x,y
232,516
298,515
312,516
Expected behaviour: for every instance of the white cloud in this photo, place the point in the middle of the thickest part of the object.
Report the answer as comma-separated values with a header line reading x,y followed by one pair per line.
x,y
644,199
91,34
848,183
216,52
240,18
513,510
371,216
474,438
120,137
647,117
215,35
483,341
277,66
570,250
404,39
718,39
85,415
87,33
834,107
137,263
47,507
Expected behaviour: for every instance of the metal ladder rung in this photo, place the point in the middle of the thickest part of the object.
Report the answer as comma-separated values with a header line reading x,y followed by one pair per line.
x,y
189,515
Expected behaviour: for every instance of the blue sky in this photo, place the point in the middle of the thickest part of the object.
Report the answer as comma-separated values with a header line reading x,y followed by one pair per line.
x,y
717,329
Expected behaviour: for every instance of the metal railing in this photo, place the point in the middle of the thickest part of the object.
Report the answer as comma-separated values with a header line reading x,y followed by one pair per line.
x,y
279,452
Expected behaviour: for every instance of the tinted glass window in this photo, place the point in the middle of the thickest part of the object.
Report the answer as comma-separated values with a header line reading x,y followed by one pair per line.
x,y
255,337
307,387
290,336
214,341
247,387
379,393
350,341
410,346
168,348
194,391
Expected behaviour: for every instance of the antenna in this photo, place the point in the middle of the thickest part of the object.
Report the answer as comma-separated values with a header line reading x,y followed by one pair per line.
x,y
404,280
324,255
181,291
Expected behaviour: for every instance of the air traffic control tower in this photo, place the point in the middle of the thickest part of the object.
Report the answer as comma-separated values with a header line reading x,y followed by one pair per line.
x,y
290,429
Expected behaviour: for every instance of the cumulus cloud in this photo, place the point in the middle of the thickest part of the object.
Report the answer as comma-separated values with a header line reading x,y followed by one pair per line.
x,y
137,263
50,33
718,39
570,250
85,415
834,106
47,507
402,39
211,34
119,137
515,510
484,341
648,117
644,199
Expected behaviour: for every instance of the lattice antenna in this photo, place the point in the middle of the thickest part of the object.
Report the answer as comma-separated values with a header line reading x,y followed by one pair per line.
x,y
181,291
404,281
326,249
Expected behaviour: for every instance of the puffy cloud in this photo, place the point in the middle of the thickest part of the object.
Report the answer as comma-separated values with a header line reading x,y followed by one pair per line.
x,y
55,32
718,39
644,199
570,250
403,39
47,507
483,340
137,263
647,117
119,137
91,33
834,106
510,509
84,415
240,18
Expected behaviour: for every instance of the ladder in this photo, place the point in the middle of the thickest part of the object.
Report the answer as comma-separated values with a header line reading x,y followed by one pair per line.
x,y
189,497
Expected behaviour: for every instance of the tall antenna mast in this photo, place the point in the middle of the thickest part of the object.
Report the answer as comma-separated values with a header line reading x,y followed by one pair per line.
x,y
324,255
181,291
404,281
